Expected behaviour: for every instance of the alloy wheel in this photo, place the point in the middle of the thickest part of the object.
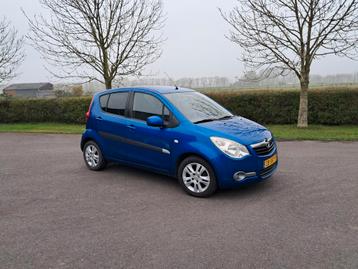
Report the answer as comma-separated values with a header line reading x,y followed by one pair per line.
x,y
92,156
196,177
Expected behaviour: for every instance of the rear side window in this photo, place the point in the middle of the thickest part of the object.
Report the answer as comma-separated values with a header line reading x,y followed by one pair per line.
x,y
104,100
117,103
145,106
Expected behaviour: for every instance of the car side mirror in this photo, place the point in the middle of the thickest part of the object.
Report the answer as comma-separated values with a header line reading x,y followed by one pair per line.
x,y
155,121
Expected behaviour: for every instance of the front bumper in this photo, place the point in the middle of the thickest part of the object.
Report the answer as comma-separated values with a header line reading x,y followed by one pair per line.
x,y
253,165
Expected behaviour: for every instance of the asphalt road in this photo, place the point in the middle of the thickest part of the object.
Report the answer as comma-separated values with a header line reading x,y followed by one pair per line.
x,y
54,213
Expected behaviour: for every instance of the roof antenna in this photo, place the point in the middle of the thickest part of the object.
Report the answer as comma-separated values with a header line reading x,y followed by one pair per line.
x,y
172,81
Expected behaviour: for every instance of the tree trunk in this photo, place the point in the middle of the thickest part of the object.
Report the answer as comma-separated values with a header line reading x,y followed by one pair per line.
x,y
105,66
108,83
302,121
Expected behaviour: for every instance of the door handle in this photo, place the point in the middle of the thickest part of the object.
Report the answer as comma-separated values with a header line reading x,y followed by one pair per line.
x,y
99,118
132,127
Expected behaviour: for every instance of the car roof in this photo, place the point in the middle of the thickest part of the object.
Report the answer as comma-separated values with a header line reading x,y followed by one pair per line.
x,y
154,89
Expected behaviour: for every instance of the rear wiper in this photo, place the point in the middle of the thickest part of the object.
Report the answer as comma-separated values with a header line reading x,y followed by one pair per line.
x,y
205,120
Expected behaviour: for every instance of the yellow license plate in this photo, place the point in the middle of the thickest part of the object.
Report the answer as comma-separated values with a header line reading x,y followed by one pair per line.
x,y
270,161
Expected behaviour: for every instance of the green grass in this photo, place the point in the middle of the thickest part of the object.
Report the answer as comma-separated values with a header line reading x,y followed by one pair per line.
x,y
315,132
47,128
281,132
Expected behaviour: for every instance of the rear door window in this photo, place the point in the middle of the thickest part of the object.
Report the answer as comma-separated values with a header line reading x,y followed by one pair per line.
x,y
117,103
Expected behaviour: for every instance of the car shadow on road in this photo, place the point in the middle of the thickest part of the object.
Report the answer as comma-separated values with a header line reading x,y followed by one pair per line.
x,y
139,176
248,190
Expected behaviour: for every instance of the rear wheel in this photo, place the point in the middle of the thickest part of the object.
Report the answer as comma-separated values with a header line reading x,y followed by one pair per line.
x,y
93,156
197,177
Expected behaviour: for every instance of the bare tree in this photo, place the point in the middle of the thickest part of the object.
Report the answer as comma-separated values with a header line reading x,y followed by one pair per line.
x,y
282,36
103,40
11,50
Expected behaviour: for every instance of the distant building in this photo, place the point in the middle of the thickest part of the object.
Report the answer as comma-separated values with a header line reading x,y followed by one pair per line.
x,y
30,90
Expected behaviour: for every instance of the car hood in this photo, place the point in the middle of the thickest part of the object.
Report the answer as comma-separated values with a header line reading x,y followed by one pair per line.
x,y
243,130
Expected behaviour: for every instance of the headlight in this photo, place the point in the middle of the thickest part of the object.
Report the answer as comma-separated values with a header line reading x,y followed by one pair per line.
x,y
230,148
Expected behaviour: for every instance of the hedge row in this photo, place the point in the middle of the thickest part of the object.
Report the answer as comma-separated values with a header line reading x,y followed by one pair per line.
x,y
333,107
63,110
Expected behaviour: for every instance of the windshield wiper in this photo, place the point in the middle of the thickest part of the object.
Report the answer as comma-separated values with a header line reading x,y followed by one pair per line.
x,y
225,118
213,119
205,120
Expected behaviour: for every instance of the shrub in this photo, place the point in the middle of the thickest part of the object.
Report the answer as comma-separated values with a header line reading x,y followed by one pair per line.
x,y
77,90
64,110
331,107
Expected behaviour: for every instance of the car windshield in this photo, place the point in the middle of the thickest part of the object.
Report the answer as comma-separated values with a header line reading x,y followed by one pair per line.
x,y
197,107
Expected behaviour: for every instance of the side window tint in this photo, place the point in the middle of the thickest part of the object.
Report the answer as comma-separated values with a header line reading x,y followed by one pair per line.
x,y
145,106
117,103
103,100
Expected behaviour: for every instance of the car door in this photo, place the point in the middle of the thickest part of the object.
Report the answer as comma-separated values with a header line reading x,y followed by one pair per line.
x,y
150,146
112,124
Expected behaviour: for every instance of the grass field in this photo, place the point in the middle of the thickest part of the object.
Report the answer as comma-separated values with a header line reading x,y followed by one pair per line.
x,y
48,128
281,132
315,132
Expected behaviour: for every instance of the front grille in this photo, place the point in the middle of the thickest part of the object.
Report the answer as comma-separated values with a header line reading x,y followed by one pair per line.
x,y
264,148
267,171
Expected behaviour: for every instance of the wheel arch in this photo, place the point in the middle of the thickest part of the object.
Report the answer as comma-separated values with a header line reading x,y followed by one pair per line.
x,y
182,157
85,140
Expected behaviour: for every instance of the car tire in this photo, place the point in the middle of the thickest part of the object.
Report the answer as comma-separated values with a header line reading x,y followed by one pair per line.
x,y
93,157
197,177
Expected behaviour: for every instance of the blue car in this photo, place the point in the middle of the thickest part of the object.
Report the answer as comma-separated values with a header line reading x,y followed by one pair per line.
x,y
177,132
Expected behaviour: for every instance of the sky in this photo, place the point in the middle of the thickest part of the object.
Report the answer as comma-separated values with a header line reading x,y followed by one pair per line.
x,y
195,43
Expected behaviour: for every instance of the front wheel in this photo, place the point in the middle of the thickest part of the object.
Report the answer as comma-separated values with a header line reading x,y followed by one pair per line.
x,y
197,177
93,156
